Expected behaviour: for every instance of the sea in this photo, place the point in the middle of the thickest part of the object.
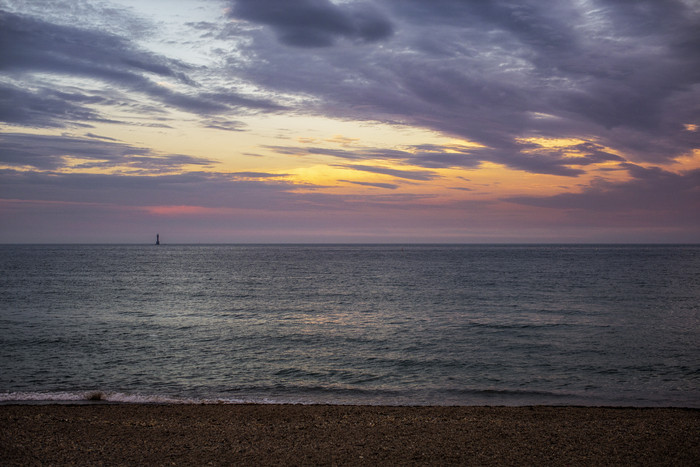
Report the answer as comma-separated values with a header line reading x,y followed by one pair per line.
x,y
514,325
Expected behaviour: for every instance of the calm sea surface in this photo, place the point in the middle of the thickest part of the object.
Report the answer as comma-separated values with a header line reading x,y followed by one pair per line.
x,y
411,324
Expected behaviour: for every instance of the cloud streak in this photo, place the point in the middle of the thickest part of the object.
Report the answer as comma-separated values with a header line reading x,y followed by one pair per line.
x,y
421,175
44,152
388,186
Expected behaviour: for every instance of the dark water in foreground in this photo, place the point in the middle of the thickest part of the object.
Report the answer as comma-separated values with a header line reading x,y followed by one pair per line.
x,y
445,325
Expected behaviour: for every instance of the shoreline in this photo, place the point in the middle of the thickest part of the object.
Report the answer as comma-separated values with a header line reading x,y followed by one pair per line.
x,y
247,434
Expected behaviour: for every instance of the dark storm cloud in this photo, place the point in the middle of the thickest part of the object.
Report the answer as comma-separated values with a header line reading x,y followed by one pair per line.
x,y
44,152
622,75
315,23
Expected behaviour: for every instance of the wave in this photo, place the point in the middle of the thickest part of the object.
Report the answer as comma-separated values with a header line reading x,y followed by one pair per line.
x,y
321,395
93,397
110,397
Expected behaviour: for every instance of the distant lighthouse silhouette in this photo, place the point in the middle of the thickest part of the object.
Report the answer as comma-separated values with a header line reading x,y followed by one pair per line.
x,y
157,239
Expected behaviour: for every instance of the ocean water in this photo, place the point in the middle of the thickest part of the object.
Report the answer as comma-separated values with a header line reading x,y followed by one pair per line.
x,y
352,324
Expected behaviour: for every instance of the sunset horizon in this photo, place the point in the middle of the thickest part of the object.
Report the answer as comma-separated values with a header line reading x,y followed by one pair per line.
x,y
349,121
382,232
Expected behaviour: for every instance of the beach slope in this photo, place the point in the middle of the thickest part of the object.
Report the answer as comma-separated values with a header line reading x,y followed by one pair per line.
x,y
93,434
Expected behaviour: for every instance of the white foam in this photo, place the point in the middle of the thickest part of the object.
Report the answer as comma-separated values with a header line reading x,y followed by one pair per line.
x,y
42,397
96,396
93,396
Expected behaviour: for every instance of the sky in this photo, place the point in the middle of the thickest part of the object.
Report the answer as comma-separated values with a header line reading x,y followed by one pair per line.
x,y
368,121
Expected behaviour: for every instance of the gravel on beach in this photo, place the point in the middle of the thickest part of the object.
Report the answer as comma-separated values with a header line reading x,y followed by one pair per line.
x,y
250,434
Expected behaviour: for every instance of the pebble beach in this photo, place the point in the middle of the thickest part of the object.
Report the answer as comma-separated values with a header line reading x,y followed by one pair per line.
x,y
268,434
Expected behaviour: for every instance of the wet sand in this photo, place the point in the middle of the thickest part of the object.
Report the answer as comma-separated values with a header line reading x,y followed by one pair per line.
x,y
126,434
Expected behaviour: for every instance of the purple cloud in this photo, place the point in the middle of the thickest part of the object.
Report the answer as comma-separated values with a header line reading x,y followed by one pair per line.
x,y
315,23
29,45
661,195
497,72
44,152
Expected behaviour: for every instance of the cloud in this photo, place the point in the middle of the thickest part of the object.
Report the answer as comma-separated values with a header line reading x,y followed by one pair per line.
x,y
47,152
222,124
660,195
626,77
592,154
620,80
259,175
389,186
354,154
532,157
315,23
421,175
435,156
204,189
109,17
30,46
107,138
237,101
46,108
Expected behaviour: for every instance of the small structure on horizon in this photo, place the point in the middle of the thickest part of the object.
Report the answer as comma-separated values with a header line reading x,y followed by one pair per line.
x,y
157,239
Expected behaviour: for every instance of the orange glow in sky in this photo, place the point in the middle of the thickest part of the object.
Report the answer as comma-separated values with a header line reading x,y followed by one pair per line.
x,y
369,121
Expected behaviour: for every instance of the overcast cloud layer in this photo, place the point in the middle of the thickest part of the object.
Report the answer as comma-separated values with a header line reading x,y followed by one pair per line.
x,y
622,78
620,74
